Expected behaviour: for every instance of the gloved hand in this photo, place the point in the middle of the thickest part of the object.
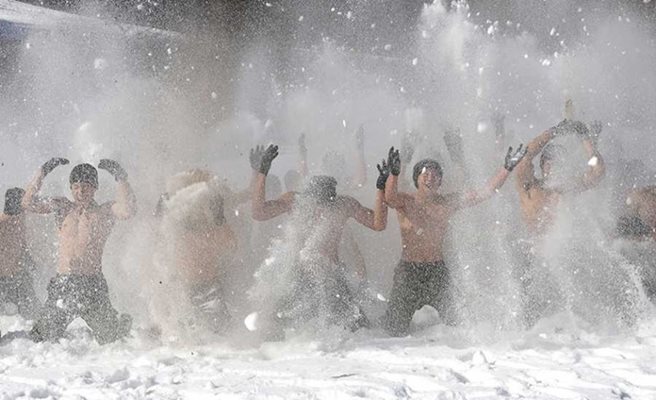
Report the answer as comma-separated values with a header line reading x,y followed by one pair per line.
x,y
113,168
267,158
580,129
13,199
384,171
255,157
52,164
394,162
563,128
512,159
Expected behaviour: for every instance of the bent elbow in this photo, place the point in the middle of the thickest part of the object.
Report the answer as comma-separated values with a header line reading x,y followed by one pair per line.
x,y
258,214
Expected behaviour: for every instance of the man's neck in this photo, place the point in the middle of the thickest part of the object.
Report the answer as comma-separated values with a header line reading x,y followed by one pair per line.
x,y
425,194
86,205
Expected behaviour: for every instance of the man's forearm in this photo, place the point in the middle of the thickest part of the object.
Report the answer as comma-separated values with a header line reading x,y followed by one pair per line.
x,y
32,189
257,198
392,191
126,200
536,145
380,211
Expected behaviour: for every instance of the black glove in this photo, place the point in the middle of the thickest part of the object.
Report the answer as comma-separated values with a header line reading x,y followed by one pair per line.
x,y
564,127
384,171
113,168
453,141
13,199
512,159
267,158
580,129
255,157
394,162
52,164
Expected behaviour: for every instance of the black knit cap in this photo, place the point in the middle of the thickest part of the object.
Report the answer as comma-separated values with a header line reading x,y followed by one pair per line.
x,y
84,173
425,163
322,188
552,152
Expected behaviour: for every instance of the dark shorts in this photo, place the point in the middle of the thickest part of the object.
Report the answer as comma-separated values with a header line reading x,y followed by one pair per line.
x,y
86,296
210,310
18,289
539,294
322,292
417,285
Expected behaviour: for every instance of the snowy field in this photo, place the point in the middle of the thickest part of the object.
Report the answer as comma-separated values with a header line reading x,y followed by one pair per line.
x,y
433,363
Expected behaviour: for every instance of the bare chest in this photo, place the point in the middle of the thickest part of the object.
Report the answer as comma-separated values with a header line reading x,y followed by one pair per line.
x,y
425,219
85,223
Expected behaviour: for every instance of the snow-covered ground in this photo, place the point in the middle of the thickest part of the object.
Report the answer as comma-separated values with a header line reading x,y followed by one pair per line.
x,y
434,363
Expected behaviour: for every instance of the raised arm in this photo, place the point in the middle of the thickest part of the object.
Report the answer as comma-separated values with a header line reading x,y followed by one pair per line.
x,y
393,197
375,219
474,197
125,203
31,202
261,209
596,166
525,172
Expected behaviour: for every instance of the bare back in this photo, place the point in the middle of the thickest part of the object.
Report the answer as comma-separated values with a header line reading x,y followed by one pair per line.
x,y
12,244
327,227
201,252
83,232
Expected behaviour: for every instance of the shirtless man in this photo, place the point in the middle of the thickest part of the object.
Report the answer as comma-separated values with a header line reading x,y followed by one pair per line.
x,y
15,260
79,289
324,215
539,197
421,277
204,243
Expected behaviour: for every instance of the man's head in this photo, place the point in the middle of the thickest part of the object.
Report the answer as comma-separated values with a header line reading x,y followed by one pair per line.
x,y
321,188
427,173
552,155
84,182
13,200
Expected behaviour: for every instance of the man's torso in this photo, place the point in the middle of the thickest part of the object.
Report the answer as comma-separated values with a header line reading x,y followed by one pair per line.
x,y
83,232
424,224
